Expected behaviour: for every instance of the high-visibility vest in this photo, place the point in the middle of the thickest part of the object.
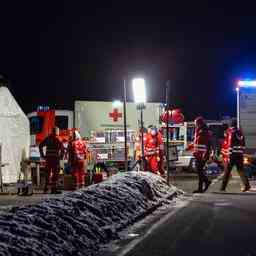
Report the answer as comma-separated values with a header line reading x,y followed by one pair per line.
x,y
225,148
78,150
202,143
236,142
154,144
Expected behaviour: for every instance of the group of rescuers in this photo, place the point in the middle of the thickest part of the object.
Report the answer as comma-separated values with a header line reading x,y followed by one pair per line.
x,y
75,152
232,151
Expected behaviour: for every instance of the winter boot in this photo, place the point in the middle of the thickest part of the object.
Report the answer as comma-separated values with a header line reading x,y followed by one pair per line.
x,y
200,186
207,184
246,188
245,181
224,183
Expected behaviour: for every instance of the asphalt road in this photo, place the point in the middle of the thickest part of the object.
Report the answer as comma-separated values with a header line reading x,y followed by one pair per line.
x,y
210,224
213,223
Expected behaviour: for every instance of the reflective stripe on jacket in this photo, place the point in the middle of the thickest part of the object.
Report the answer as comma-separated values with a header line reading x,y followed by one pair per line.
x,y
202,143
233,145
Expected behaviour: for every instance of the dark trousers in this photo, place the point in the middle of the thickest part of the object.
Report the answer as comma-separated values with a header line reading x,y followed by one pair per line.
x,y
227,171
52,172
202,178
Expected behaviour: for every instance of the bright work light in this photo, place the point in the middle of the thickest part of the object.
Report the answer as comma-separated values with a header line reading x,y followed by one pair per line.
x,y
117,104
139,90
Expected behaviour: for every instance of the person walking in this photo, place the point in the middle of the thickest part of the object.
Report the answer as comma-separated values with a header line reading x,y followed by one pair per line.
x,y
202,148
233,155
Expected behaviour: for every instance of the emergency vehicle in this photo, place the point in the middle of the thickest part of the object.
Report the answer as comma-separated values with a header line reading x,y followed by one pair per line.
x,y
44,120
181,135
100,123
246,120
246,113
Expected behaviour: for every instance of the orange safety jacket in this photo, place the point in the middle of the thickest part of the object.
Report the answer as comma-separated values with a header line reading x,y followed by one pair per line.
x,y
233,145
154,145
77,150
202,143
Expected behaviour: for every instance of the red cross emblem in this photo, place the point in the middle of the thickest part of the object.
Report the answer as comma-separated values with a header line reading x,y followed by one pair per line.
x,y
115,115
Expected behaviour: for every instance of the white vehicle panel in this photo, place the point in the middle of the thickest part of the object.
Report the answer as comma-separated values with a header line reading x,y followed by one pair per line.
x,y
102,116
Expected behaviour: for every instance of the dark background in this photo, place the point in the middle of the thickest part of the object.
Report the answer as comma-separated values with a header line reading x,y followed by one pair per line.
x,y
56,52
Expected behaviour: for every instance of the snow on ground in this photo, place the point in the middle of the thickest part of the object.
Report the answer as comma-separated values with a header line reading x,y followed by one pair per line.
x,y
79,222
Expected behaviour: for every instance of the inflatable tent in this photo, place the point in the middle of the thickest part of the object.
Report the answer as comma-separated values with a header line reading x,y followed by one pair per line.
x,y
14,135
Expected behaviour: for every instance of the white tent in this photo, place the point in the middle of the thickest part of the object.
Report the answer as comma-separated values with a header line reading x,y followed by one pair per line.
x,y
14,135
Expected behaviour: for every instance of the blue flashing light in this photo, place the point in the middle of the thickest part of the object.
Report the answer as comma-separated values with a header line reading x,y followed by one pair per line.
x,y
43,108
246,83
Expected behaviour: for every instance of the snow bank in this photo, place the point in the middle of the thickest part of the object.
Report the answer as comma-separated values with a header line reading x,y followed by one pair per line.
x,y
78,222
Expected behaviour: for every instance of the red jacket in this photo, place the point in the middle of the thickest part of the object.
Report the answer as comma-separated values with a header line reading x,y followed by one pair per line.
x,y
154,144
233,145
202,143
77,150
225,147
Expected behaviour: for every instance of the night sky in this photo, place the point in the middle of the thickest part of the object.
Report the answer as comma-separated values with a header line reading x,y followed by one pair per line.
x,y
56,52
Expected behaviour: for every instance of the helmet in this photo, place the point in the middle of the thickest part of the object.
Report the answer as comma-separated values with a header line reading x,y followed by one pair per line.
x,y
199,121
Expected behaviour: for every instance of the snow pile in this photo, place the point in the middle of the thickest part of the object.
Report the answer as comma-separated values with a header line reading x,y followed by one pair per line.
x,y
77,223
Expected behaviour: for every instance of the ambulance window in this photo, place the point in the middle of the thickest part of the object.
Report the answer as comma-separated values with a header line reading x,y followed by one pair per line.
x,y
61,122
36,124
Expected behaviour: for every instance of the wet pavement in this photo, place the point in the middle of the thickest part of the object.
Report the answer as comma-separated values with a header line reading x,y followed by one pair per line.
x,y
213,223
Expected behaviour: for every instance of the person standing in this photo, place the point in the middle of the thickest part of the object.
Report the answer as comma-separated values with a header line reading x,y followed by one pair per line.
x,y
224,146
77,157
53,155
138,149
202,148
233,155
160,140
153,146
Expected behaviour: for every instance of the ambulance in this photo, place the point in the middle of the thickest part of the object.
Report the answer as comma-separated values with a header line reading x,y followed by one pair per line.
x,y
100,123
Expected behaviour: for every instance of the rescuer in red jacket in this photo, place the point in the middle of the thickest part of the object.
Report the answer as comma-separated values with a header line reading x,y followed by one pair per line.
x,y
225,146
161,151
153,148
54,152
233,155
77,157
202,148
